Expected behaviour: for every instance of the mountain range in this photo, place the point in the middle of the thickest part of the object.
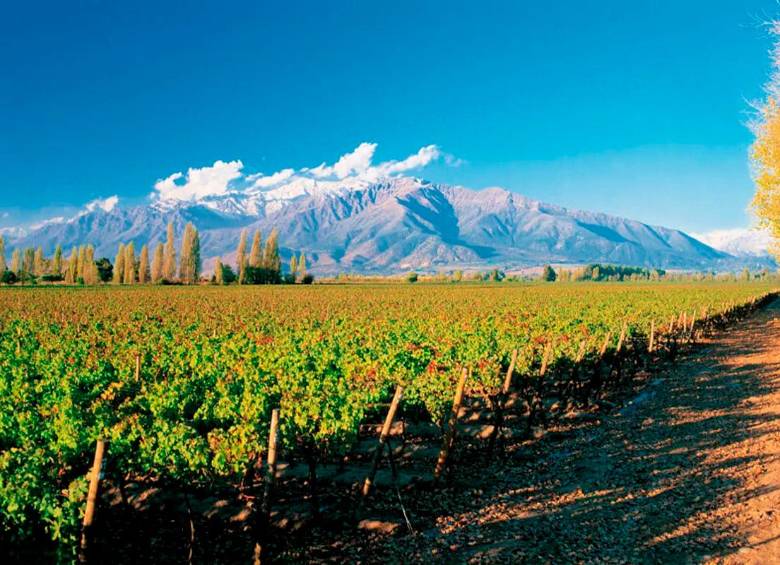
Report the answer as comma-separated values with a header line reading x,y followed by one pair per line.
x,y
392,225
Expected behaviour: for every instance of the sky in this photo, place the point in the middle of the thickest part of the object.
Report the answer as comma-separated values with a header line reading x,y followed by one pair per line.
x,y
632,108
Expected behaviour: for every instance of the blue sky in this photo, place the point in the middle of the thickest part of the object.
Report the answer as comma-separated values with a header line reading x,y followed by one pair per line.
x,y
633,108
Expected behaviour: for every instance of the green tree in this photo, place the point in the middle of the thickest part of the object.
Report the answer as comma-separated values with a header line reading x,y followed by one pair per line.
x,y
105,269
548,274
169,256
143,265
256,252
412,277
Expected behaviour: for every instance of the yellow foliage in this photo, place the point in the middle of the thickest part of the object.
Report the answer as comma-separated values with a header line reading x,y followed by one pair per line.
x,y
765,155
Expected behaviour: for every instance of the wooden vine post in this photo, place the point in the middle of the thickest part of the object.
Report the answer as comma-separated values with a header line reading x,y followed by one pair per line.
x,y
651,344
449,433
509,372
499,405
622,337
92,497
385,433
137,367
270,479
605,345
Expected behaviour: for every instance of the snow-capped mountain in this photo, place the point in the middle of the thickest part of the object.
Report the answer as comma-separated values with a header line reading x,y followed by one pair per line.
x,y
389,225
738,241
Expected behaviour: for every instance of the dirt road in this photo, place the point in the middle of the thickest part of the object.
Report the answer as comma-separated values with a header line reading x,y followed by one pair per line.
x,y
686,473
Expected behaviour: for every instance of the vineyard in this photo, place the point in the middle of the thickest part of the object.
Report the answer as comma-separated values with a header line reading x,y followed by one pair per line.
x,y
182,384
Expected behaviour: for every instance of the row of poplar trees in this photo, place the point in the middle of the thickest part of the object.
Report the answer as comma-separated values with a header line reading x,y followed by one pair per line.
x,y
262,265
30,263
163,268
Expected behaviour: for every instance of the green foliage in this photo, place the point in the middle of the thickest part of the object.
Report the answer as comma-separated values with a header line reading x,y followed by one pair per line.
x,y
412,277
548,274
216,362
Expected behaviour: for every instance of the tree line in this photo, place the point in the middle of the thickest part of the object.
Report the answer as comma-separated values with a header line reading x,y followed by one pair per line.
x,y
262,265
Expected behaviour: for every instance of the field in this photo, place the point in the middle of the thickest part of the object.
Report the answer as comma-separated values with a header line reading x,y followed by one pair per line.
x,y
181,381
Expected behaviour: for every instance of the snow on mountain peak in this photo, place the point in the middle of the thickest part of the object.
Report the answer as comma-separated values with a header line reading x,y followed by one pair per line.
x,y
741,242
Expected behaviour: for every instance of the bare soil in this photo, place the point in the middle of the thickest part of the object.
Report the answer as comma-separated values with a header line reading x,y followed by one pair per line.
x,y
686,472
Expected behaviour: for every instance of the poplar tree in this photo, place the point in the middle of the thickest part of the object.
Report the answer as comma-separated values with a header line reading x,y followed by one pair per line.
x,y
28,260
218,271
241,258
189,268
169,256
119,265
56,266
143,265
73,263
195,255
82,262
272,261
3,266
129,275
16,262
39,265
256,253
157,263
302,265
293,266
90,267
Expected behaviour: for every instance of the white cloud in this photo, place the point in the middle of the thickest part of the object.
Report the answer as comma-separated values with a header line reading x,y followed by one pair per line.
x,y
261,181
105,204
206,181
356,165
422,158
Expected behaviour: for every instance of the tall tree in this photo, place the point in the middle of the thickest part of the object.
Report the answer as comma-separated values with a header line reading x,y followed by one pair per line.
x,y
302,265
157,263
82,263
241,258
28,260
39,263
189,268
16,262
293,266
256,253
218,273
169,256
129,274
3,266
90,269
73,263
119,265
56,266
143,265
272,261
195,256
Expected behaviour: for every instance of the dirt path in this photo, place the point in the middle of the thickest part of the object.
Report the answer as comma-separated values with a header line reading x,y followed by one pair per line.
x,y
688,473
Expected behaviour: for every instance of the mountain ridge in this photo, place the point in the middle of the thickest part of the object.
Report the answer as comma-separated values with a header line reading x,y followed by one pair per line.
x,y
391,225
